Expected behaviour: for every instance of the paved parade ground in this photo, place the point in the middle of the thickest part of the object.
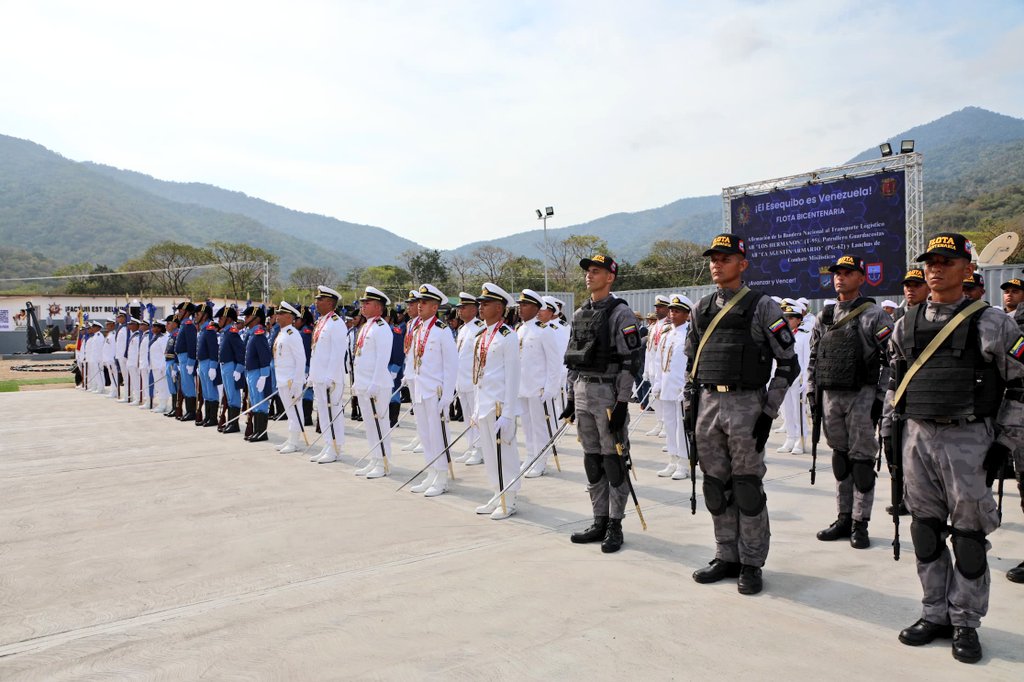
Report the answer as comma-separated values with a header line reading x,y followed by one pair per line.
x,y
137,547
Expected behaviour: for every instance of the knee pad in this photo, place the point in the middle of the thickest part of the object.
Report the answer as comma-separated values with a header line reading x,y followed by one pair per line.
x,y
863,471
594,466
614,470
929,541
969,548
717,496
749,495
840,464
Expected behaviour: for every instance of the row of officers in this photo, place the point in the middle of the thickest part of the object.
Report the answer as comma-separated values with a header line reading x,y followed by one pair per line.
x,y
941,387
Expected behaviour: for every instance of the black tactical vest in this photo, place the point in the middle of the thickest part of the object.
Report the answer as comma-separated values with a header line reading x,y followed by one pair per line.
x,y
955,382
590,343
731,357
840,361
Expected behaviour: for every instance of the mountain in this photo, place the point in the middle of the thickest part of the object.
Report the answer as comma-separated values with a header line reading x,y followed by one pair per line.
x,y
968,154
370,245
69,212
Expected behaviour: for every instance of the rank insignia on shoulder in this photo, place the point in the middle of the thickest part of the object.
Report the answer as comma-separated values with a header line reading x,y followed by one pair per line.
x,y
1017,349
482,330
542,325
505,331
211,327
259,330
777,326
883,333
289,331
189,321
478,322
334,316
441,324
380,322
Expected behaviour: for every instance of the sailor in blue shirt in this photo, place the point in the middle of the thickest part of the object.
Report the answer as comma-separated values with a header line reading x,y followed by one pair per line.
x,y
185,347
257,372
206,356
171,366
232,363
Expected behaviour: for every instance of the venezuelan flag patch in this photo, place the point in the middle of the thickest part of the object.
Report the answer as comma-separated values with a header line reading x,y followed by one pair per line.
x,y
1017,349
883,333
777,326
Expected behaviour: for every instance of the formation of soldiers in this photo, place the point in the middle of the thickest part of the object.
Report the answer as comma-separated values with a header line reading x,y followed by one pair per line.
x,y
936,385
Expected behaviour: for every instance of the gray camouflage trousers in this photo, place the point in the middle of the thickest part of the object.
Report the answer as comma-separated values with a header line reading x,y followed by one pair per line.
x,y
944,477
593,401
846,418
726,448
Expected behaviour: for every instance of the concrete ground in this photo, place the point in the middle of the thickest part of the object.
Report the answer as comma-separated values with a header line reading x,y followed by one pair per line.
x,y
136,547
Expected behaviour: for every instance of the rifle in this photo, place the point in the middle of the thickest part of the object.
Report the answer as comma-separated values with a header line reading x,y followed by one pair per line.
x,y
815,431
896,481
690,430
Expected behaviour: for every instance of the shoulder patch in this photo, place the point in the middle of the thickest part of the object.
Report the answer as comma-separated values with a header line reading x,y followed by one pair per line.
x,y
188,322
785,338
542,325
482,330
211,327
334,316
441,324
883,333
259,330
380,322
289,331
1017,349
632,336
478,322
505,331
777,326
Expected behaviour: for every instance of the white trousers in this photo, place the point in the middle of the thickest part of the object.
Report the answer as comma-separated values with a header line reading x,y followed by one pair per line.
x,y
96,376
292,400
383,422
160,390
335,437
671,415
136,379
509,453
531,411
467,399
428,428
791,411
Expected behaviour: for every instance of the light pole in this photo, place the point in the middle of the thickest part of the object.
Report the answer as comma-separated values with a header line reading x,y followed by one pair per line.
x,y
544,215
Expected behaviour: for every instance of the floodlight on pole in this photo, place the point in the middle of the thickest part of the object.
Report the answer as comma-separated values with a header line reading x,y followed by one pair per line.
x,y
885,148
544,215
907,147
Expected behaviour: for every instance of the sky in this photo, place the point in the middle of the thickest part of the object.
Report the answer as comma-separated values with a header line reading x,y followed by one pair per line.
x,y
451,122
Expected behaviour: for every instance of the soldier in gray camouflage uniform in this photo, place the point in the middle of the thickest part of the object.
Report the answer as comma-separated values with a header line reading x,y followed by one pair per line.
x,y
1013,304
603,354
735,412
963,413
848,351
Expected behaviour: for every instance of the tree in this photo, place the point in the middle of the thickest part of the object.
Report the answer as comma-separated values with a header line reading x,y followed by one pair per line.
x,y
669,263
391,279
308,278
425,265
490,260
520,272
243,265
460,269
563,257
175,262
116,285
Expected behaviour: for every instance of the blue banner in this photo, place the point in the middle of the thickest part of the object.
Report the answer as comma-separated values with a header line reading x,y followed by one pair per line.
x,y
793,235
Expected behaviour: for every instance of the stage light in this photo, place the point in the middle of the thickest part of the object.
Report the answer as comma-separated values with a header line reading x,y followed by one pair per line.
x,y
539,214
886,149
907,147
550,210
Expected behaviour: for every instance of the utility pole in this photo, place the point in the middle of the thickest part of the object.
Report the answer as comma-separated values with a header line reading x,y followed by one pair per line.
x,y
543,216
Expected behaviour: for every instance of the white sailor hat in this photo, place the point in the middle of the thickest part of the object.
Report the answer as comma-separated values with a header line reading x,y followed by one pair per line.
x,y
661,299
531,296
492,292
777,299
888,304
287,307
431,293
551,303
145,322
96,323
327,292
159,323
803,301
792,309
787,301
414,296
375,294
134,320
466,299
680,302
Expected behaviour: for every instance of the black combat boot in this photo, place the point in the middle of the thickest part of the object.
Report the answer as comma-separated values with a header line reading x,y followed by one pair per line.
x,y
859,535
842,527
173,401
750,581
210,413
925,632
613,537
717,570
190,410
307,413
595,533
394,409
966,647
1016,574
233,426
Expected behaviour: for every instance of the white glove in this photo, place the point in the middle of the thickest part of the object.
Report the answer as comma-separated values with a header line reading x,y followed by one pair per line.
x,y
212,373
189,367
309,382
446,404
373,389
547,395
501,424
260,383
333,389
236,375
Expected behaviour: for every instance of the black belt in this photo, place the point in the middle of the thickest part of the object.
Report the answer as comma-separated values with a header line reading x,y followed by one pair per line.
x,y
947,421
1015,394
724,388
597,380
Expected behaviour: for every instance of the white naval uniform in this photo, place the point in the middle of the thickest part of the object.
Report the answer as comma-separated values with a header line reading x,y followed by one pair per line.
x,y
496,376
435,365
158,364
540,371
133,366
791,403
671,379
464,380
120,347
107,358
563,332
371,378
144,367
290,374
652,366
94,358
327,371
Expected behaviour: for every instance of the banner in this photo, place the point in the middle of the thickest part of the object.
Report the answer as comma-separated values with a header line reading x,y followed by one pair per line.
x,y
793,235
